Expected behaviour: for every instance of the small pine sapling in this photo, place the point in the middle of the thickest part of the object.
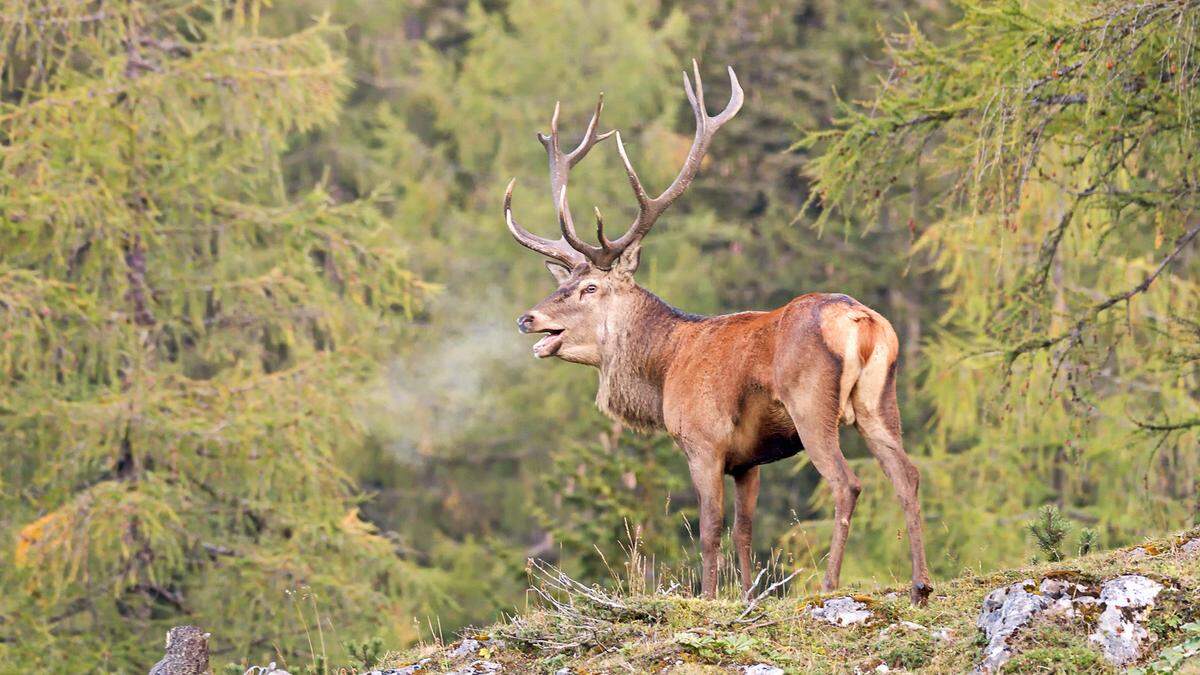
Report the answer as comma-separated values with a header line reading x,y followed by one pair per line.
x,y
367,652
1049,530
1088,539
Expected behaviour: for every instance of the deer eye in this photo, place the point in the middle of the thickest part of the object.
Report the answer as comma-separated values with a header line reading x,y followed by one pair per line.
x,y
590,288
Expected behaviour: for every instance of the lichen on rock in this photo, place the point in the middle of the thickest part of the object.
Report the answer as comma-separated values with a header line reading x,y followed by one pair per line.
x,y
842,611
1126,600
1118,608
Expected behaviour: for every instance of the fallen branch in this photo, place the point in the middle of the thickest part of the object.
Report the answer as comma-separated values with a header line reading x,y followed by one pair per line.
x,y
761,596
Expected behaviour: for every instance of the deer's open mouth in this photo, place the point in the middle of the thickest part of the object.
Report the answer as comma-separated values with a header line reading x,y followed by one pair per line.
x,y
548,346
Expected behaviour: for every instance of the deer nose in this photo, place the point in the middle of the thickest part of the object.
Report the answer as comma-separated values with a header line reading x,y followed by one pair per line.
x,y
525,322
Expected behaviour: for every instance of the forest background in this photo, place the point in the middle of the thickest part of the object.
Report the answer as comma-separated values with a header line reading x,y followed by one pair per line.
x,y
257,298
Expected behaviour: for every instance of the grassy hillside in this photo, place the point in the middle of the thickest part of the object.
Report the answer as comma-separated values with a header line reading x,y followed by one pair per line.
x,y
589,631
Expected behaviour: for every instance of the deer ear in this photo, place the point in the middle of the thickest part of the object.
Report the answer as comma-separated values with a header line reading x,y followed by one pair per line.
x,y
627,262
560,272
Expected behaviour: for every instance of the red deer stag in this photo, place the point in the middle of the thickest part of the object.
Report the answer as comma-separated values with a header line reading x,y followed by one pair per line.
x,y
733,391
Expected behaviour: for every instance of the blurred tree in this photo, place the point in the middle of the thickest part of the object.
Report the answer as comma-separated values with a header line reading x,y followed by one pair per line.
x,y
185,346
1055,142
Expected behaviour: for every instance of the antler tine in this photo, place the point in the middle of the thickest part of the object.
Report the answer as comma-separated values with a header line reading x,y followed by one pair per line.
x,y
568,249
604,242
552,139
560,168
557,249
590,137
698,93
649,209
567,224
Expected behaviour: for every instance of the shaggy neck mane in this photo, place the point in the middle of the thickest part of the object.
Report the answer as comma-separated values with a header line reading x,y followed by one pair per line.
x,y
634,358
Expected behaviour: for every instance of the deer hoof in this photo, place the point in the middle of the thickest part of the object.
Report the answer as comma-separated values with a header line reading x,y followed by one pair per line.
x,y
920,593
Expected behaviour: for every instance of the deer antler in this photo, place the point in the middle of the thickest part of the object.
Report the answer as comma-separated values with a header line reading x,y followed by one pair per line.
x,y
706,127
568,249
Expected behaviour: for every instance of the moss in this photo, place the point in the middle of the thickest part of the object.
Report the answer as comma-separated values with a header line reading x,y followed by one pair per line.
x,y
909,650
1064,660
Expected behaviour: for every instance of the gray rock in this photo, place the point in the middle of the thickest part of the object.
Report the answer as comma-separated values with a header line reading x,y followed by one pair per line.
x,y
465,648
907,626
841,611
1125,601
1004,611
1119,633
1057,588
269,669
1191,549
762,669
479,668
1138,553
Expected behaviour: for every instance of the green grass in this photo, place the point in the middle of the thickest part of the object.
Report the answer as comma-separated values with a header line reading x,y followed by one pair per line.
x,y
591,630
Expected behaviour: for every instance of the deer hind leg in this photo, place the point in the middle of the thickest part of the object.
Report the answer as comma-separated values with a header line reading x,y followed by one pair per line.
x,y
817,423
746,486
879,423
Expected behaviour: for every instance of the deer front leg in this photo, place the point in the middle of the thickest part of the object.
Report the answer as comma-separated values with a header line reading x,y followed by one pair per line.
x,y
709,480
746,486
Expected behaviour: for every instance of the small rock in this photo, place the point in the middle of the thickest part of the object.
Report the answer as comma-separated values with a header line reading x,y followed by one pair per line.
x,y
942,635
270,669
465,648
1126,600
1138,553
902,625
1191,549
841,611
1057,588
1004,611
762,669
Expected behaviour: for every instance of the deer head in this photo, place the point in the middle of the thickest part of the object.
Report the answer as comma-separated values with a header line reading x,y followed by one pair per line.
x,y
595,282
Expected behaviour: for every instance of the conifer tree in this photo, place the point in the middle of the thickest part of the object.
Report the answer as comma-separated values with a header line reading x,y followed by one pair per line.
x,y
1054,146
184,341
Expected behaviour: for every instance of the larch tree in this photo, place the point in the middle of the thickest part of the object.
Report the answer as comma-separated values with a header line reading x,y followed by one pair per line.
x,y
1046,154
185,341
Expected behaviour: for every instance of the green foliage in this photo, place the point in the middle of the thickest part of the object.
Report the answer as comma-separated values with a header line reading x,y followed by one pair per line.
x,y
909,650
1057,661
1172,658
1088,540
186,342
718,648
215,220
1046,152
1049,530
623,489
367,653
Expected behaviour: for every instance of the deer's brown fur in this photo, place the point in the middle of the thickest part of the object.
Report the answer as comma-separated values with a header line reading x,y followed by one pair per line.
x,y
735,391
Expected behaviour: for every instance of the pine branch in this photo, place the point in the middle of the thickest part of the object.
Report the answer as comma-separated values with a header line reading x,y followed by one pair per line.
x,y
1077,330
1168,426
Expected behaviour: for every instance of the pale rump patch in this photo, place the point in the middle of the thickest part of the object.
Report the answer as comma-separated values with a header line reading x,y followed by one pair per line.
x,y
861,340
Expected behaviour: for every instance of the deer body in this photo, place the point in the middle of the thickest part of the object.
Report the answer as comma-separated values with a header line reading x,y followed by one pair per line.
x,y
734,391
